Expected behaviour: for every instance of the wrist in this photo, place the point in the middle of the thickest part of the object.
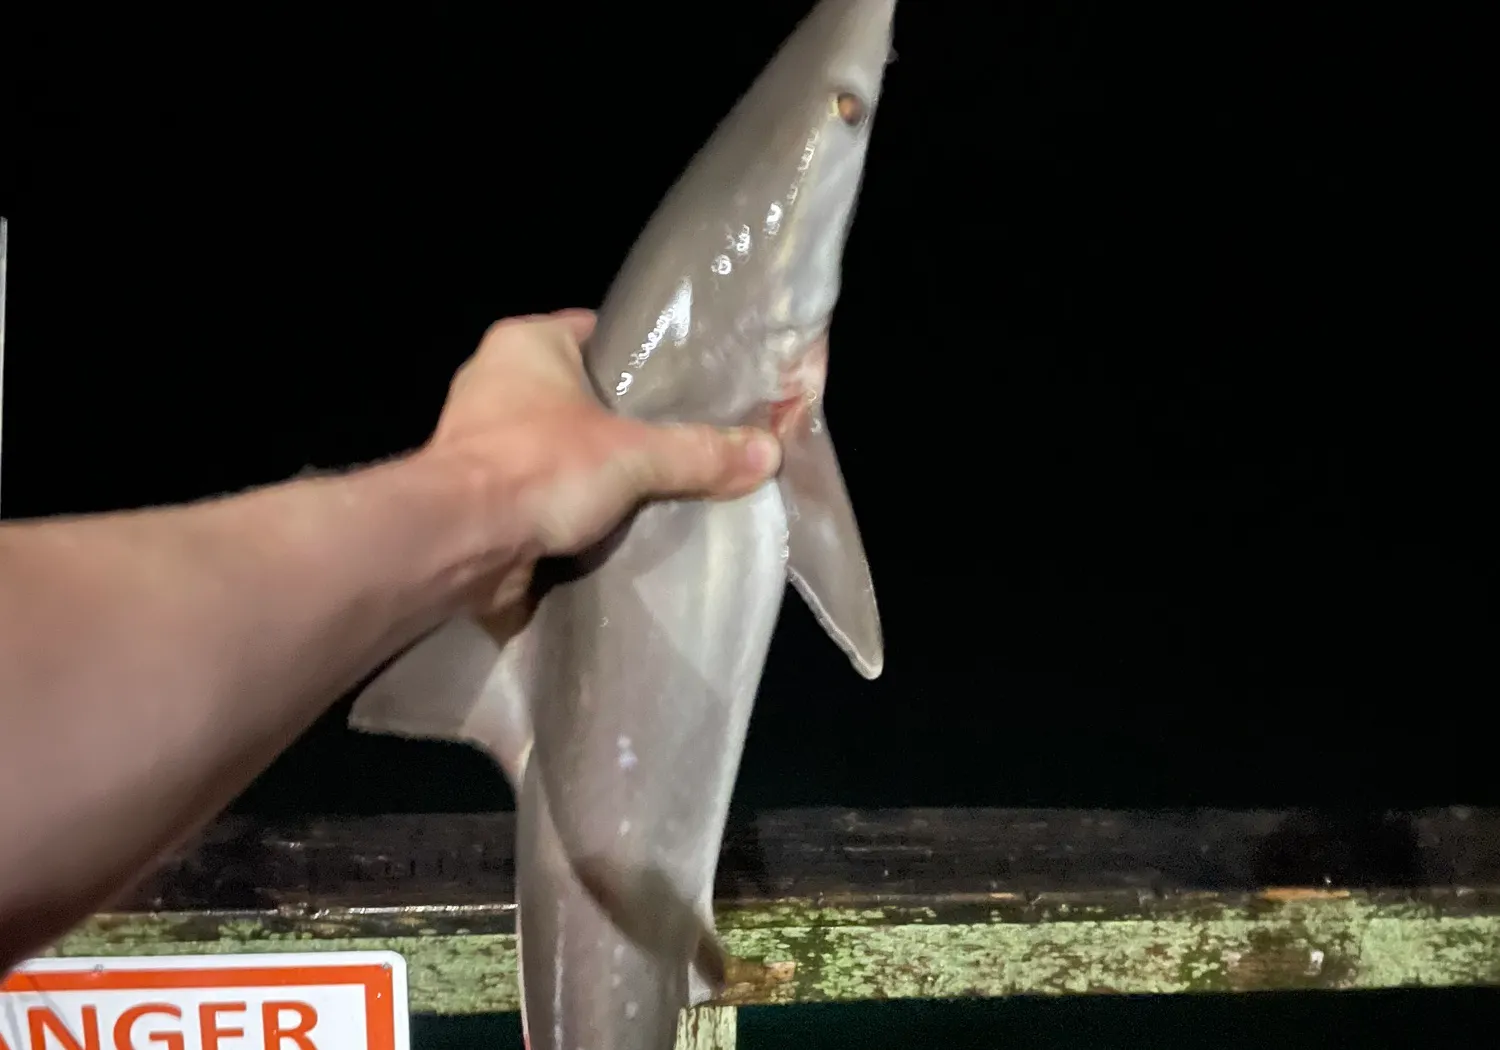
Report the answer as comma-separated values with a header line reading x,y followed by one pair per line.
x,y
472,506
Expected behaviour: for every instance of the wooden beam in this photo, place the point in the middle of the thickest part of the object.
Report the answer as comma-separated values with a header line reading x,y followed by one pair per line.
x,y
832,905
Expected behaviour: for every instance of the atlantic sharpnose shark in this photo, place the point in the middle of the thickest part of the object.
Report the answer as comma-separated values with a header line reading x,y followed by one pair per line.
x,y
619,711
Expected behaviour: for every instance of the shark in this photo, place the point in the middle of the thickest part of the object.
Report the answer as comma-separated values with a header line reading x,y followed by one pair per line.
x,y
618,711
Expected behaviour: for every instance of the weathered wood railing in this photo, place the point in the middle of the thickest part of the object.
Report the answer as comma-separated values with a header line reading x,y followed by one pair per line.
x,y
840,906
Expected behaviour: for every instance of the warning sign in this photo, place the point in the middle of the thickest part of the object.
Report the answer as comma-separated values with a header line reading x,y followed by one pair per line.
x,y
314,1001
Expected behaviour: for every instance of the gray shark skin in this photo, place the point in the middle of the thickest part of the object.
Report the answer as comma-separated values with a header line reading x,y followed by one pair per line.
x,y
619,711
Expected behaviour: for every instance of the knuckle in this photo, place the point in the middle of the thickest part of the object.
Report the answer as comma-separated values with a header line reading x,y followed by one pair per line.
x,y
498,330
508,330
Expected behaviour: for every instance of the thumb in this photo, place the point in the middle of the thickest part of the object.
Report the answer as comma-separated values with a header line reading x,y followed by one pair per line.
x,y
694,461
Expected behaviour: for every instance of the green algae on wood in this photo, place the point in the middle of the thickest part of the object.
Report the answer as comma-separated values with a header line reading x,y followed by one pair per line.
x,y
841,905
797,952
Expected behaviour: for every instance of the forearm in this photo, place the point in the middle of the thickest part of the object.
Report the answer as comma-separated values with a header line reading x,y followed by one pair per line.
x,y
153,663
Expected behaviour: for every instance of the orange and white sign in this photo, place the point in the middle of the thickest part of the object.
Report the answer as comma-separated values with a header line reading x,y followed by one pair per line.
x,y
313,1001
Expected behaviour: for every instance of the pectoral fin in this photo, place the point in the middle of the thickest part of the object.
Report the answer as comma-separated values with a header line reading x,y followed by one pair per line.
x,y
464,682
826,555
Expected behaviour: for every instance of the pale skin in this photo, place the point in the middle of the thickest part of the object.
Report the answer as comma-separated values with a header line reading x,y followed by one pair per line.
x,y
152,663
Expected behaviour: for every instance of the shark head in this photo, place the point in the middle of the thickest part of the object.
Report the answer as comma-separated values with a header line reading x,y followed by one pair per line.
x,y
816,106
722,307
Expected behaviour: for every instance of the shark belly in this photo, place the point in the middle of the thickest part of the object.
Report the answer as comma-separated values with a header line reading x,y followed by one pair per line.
x,y
647,672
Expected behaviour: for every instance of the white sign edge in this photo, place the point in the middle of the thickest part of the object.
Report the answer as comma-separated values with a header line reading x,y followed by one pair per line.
x,y
400,998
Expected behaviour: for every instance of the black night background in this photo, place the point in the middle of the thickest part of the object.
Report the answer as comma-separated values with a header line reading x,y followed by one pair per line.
x,y
1157,380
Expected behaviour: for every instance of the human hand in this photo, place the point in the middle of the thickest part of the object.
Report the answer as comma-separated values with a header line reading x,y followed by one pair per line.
x,y
569,469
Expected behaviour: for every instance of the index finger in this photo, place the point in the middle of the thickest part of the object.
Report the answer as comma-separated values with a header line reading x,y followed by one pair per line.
x,y
576,323
580,322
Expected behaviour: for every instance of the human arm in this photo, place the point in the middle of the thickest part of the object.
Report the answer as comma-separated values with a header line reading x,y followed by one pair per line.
x,y
152,663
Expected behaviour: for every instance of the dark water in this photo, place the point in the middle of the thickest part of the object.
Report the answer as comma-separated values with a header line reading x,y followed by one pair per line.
x,y
1293,1022
1159,382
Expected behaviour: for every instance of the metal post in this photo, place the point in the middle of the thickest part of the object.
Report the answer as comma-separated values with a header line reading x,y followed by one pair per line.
x,y
4,228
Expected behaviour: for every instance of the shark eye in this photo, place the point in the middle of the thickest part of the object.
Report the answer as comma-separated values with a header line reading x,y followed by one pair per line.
x,y
850,108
